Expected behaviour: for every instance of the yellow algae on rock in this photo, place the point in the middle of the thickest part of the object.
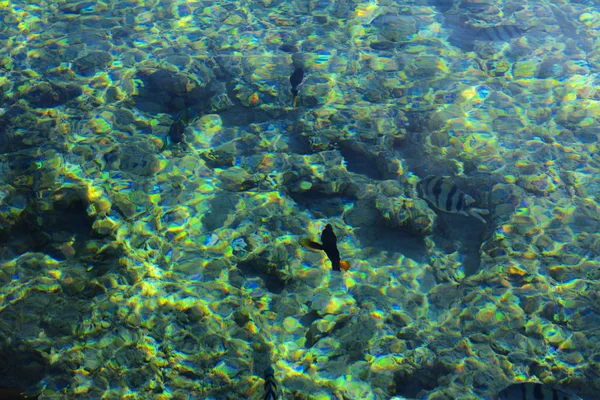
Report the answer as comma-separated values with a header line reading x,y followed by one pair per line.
x,y
516,270
354,388
305,185
147,289
94,193
541,184
573,342
333,304
572,357
326,324
383,64
480,144
234,20
524,224
100,207
99,125
104,226
586,18
291,324
251,327
204,130
388,362
525,69
235,179
553,335
486,315
296,355
559,272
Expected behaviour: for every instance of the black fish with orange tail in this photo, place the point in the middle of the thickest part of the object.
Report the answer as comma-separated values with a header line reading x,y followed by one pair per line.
x,y
175,134
295,80
329,246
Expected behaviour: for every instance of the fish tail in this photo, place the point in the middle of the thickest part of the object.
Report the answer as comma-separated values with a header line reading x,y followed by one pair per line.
x,y
309,244
270,384
478,213
344,265
165,144
294,101
187,115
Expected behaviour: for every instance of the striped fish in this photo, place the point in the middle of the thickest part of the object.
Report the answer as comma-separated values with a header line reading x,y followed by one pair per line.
x,y
499,33
532,391
442,193
465,37
270,384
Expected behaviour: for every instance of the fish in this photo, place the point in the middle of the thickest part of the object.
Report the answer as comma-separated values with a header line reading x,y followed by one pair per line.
x,y
442,5
465,37
329,246
295,80
442,193
270,384
289,48
175,134
499,33
8,393
532,391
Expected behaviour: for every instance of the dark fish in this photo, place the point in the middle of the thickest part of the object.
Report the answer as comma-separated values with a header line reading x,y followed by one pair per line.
x,y
532,391
443,194
329,246
382,45
175,134
569,29
78,7
288,48
7,393
248,184
295,80
270,384
442,5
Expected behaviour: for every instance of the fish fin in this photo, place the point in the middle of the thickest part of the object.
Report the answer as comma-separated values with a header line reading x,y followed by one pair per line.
x,y
309,244
478,212
165,144
469,200
344,265
270,384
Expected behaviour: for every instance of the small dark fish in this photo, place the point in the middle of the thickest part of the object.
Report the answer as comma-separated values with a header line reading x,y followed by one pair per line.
x,y
442,5
532,391
270,384
443,194
329,246
7,393
175,134
289,48
84,7
248,184
382,45
569,29
295,80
